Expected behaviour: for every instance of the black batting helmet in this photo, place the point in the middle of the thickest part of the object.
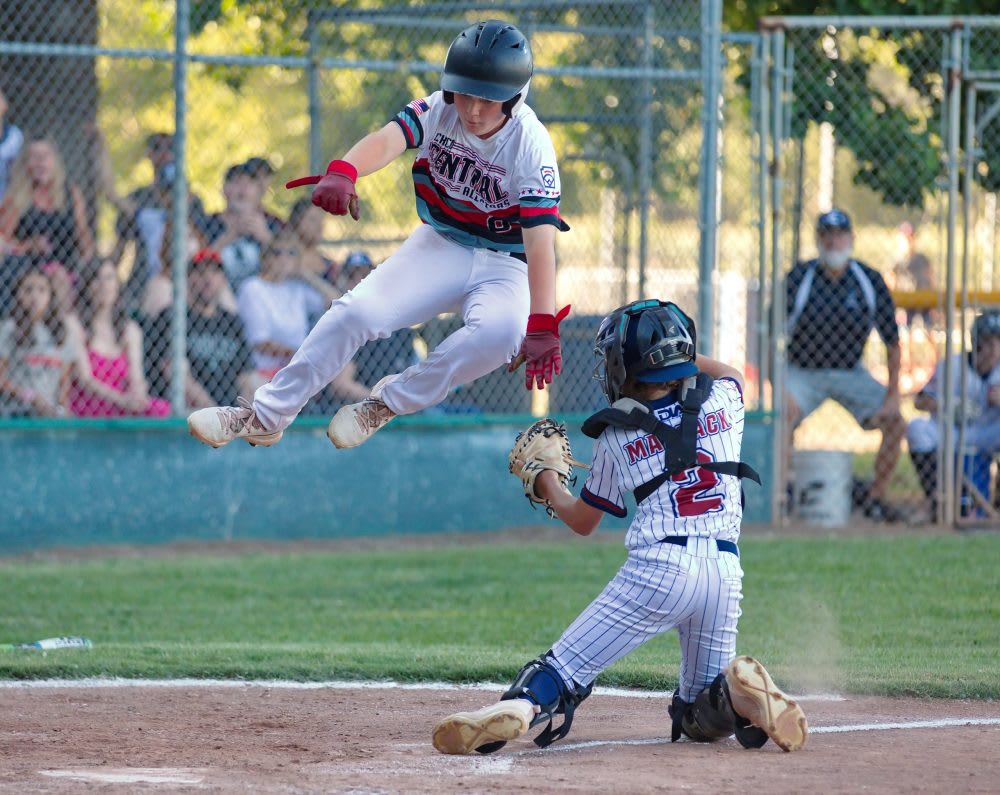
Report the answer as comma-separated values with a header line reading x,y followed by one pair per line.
x,y
985,325
651,341
490,60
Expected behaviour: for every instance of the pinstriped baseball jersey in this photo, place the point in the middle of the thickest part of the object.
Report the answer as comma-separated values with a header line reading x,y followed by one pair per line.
x,y
696,502
481,193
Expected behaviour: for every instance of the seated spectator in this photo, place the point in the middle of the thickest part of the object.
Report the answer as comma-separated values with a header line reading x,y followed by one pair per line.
x,y
43,214
241,231
306,220
981,413
832,303
35,357
277,308
356,266
144,214
108,374
11,141
261,171
218,356
159,292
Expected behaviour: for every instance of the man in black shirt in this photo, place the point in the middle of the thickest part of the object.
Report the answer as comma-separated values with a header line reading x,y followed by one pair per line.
x,y
218,358
833,302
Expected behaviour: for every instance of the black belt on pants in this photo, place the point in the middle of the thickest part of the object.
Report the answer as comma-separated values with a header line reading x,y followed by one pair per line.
x,y
515,254
682,541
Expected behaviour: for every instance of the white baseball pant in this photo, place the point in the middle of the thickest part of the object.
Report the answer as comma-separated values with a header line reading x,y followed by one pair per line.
x,y
428,275
695,588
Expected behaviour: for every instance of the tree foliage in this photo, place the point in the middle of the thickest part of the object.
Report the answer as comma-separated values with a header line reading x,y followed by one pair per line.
x,y
882,89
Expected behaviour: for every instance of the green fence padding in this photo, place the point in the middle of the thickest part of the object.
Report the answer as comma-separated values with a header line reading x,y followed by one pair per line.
x,y
138,483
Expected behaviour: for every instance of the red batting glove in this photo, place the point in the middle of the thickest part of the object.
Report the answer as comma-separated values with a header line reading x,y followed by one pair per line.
x,y
541,351
334,192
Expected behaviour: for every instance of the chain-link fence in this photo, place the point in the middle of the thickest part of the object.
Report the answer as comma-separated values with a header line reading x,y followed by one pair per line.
x,y
142,165
893,121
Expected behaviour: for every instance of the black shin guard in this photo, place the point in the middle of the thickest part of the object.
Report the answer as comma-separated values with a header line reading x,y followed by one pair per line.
x,y
569,698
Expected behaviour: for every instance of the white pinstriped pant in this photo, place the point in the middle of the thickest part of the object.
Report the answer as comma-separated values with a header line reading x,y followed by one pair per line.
x,y
695,588
426,276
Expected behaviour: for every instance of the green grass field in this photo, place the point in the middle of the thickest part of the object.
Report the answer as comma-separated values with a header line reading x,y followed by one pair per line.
x,y
911,615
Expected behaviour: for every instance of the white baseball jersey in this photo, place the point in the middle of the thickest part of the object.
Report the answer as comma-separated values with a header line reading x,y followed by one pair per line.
x,y
474,197
481,193
696,502
694,587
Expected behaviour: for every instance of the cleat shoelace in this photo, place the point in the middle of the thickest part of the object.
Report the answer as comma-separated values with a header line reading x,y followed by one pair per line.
x,y
240,416
372,413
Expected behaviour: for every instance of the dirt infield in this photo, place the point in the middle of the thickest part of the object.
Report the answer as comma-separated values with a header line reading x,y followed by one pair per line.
x,y
249,738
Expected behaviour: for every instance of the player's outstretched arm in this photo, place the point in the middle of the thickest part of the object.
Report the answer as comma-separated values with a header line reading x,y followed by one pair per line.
x,y
581,518
377,150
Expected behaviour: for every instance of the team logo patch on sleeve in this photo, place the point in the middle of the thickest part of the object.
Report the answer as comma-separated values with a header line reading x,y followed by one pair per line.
x,y
548,176
419,106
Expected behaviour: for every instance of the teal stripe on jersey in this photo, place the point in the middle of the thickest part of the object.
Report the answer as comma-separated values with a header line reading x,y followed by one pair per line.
x,y
413,130
538,201
460,233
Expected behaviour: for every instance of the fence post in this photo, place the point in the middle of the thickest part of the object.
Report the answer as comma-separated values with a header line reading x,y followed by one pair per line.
x,y
708,176
178,251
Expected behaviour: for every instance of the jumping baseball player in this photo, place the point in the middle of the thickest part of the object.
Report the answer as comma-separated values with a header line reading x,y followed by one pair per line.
x,y
487,191
672,436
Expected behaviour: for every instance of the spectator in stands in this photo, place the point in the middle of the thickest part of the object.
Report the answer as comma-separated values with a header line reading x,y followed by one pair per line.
x,y
11,141
306,220
108,365
35,356
218,357
833,302
242,231
980,414
43,215
356,266
143,216
261,171
278,307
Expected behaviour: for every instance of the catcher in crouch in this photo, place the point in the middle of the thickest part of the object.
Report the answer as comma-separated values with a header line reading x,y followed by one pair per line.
x,y
672,436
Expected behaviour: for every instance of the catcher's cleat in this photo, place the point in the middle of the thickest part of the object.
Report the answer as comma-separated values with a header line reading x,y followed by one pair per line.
x,y
220,425
754,696
353,424
495,725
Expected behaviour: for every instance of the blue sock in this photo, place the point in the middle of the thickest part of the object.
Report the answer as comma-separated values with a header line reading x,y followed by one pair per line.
x,y
545,688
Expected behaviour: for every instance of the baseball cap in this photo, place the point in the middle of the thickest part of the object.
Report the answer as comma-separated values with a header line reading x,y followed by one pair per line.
x,y
256,166
358,259
833,220
206,256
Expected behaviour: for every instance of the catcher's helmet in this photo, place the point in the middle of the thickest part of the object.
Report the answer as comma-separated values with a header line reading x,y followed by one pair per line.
x,y
985,325
833,220
651,341
490,60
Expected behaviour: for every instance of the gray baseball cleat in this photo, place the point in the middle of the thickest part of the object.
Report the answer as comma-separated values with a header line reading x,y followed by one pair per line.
x,y
355,423
754,696
464,732
220,425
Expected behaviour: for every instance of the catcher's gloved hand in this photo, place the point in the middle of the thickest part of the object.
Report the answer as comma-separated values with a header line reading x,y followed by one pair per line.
x,y
543,445
541,350
334,191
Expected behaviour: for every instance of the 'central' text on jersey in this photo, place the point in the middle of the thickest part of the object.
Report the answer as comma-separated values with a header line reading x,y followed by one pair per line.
x,y
462,169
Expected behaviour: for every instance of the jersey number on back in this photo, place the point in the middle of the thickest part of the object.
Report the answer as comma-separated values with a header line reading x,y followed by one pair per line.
x,y
693,497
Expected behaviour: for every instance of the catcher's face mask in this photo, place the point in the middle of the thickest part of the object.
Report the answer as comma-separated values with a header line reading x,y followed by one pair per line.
x,y
652,341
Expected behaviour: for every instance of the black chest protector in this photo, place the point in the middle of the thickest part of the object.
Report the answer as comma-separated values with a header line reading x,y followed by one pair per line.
x,y
680,445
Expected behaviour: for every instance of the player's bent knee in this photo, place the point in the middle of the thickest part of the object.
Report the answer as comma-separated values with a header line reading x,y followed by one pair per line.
x,y
542,684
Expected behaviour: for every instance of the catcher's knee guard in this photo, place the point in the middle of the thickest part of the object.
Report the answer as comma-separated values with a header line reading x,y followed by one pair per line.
x,y
536,679
711,717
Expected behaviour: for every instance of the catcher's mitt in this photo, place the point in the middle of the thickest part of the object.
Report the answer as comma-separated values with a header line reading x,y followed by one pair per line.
x,y
543,445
